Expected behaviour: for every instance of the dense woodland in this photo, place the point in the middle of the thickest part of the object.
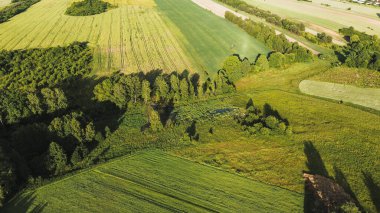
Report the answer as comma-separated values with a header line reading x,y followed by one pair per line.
x,y
88,7
17,6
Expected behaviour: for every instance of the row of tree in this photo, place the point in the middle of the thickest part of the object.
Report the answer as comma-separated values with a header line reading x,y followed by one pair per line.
x,y
123,90
292,26
267,35
17,7
363,50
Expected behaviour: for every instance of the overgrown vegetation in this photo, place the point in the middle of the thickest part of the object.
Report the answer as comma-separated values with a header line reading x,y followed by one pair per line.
x,y
88,8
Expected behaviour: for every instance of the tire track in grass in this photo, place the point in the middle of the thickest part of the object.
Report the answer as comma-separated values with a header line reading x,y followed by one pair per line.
x,y
91,29
173,40
121,46
50,30
131,42
22,33
129,62
80,29
143,35
109,51
69,30
139,50
161,63
162,42
58,32
149,188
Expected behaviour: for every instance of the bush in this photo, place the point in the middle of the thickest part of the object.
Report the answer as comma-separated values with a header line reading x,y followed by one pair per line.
x,y
271,122
88,7
265,131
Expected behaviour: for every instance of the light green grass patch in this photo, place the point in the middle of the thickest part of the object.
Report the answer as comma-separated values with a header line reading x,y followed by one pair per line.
x,y
154,181
368,97
209,38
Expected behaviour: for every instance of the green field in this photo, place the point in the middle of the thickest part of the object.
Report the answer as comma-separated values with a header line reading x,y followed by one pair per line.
x,y
210,39
367,97
154,181
313,13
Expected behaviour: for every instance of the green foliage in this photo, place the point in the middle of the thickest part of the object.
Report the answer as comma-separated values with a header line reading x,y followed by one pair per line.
x,y
88,7
154,120
294,27
278,43
277,60
55,159
268,122
262,63
18,7
28,70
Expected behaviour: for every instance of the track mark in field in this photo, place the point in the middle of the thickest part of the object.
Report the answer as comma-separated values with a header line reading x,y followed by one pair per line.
x,y
80,29
39,30
136,195
155,190
109,51
121,46
74,23
131,42
145,41
50,30
58,32
91,29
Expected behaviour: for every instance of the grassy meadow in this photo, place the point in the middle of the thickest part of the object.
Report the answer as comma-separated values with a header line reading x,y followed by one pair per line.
x,y
209,39
4,3
362,18
154,181
346,138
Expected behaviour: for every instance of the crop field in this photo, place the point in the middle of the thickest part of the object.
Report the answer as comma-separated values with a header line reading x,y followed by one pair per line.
x,y
132,37
368,97
210,39
154,181
320,17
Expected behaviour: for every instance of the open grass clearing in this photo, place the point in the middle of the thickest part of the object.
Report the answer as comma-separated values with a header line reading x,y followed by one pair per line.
x,y
156,181
367,97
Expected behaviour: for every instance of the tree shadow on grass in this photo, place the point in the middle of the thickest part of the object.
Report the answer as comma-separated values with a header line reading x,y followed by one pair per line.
x,y
341,179
269,111
315,165
373,188
25,203
192,131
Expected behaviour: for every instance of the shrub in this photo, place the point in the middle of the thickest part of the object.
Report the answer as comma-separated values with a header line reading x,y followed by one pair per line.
x,y
265,131
88,7
271,122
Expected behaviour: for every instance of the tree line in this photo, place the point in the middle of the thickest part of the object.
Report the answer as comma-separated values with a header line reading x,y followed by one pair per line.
x,y
292,26
285,51
17,7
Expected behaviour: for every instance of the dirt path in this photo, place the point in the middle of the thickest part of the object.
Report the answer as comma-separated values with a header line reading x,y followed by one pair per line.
x,y
220,10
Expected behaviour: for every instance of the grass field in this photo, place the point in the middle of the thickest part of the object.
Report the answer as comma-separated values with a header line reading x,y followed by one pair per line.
x,y
210,39
367,97
154,181
313,13
345,137
132,37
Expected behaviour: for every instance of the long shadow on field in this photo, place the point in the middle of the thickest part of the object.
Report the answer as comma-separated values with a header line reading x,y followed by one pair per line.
x,y
341,179
269,111
373,188
315,165
25,203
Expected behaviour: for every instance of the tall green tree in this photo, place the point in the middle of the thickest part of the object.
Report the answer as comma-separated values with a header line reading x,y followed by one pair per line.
x,y
154,120
184,86
262,63
145,91
55,159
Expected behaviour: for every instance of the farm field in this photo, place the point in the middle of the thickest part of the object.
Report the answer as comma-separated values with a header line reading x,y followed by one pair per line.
x,y
368,97
319,17
132,37
156,181
210,39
